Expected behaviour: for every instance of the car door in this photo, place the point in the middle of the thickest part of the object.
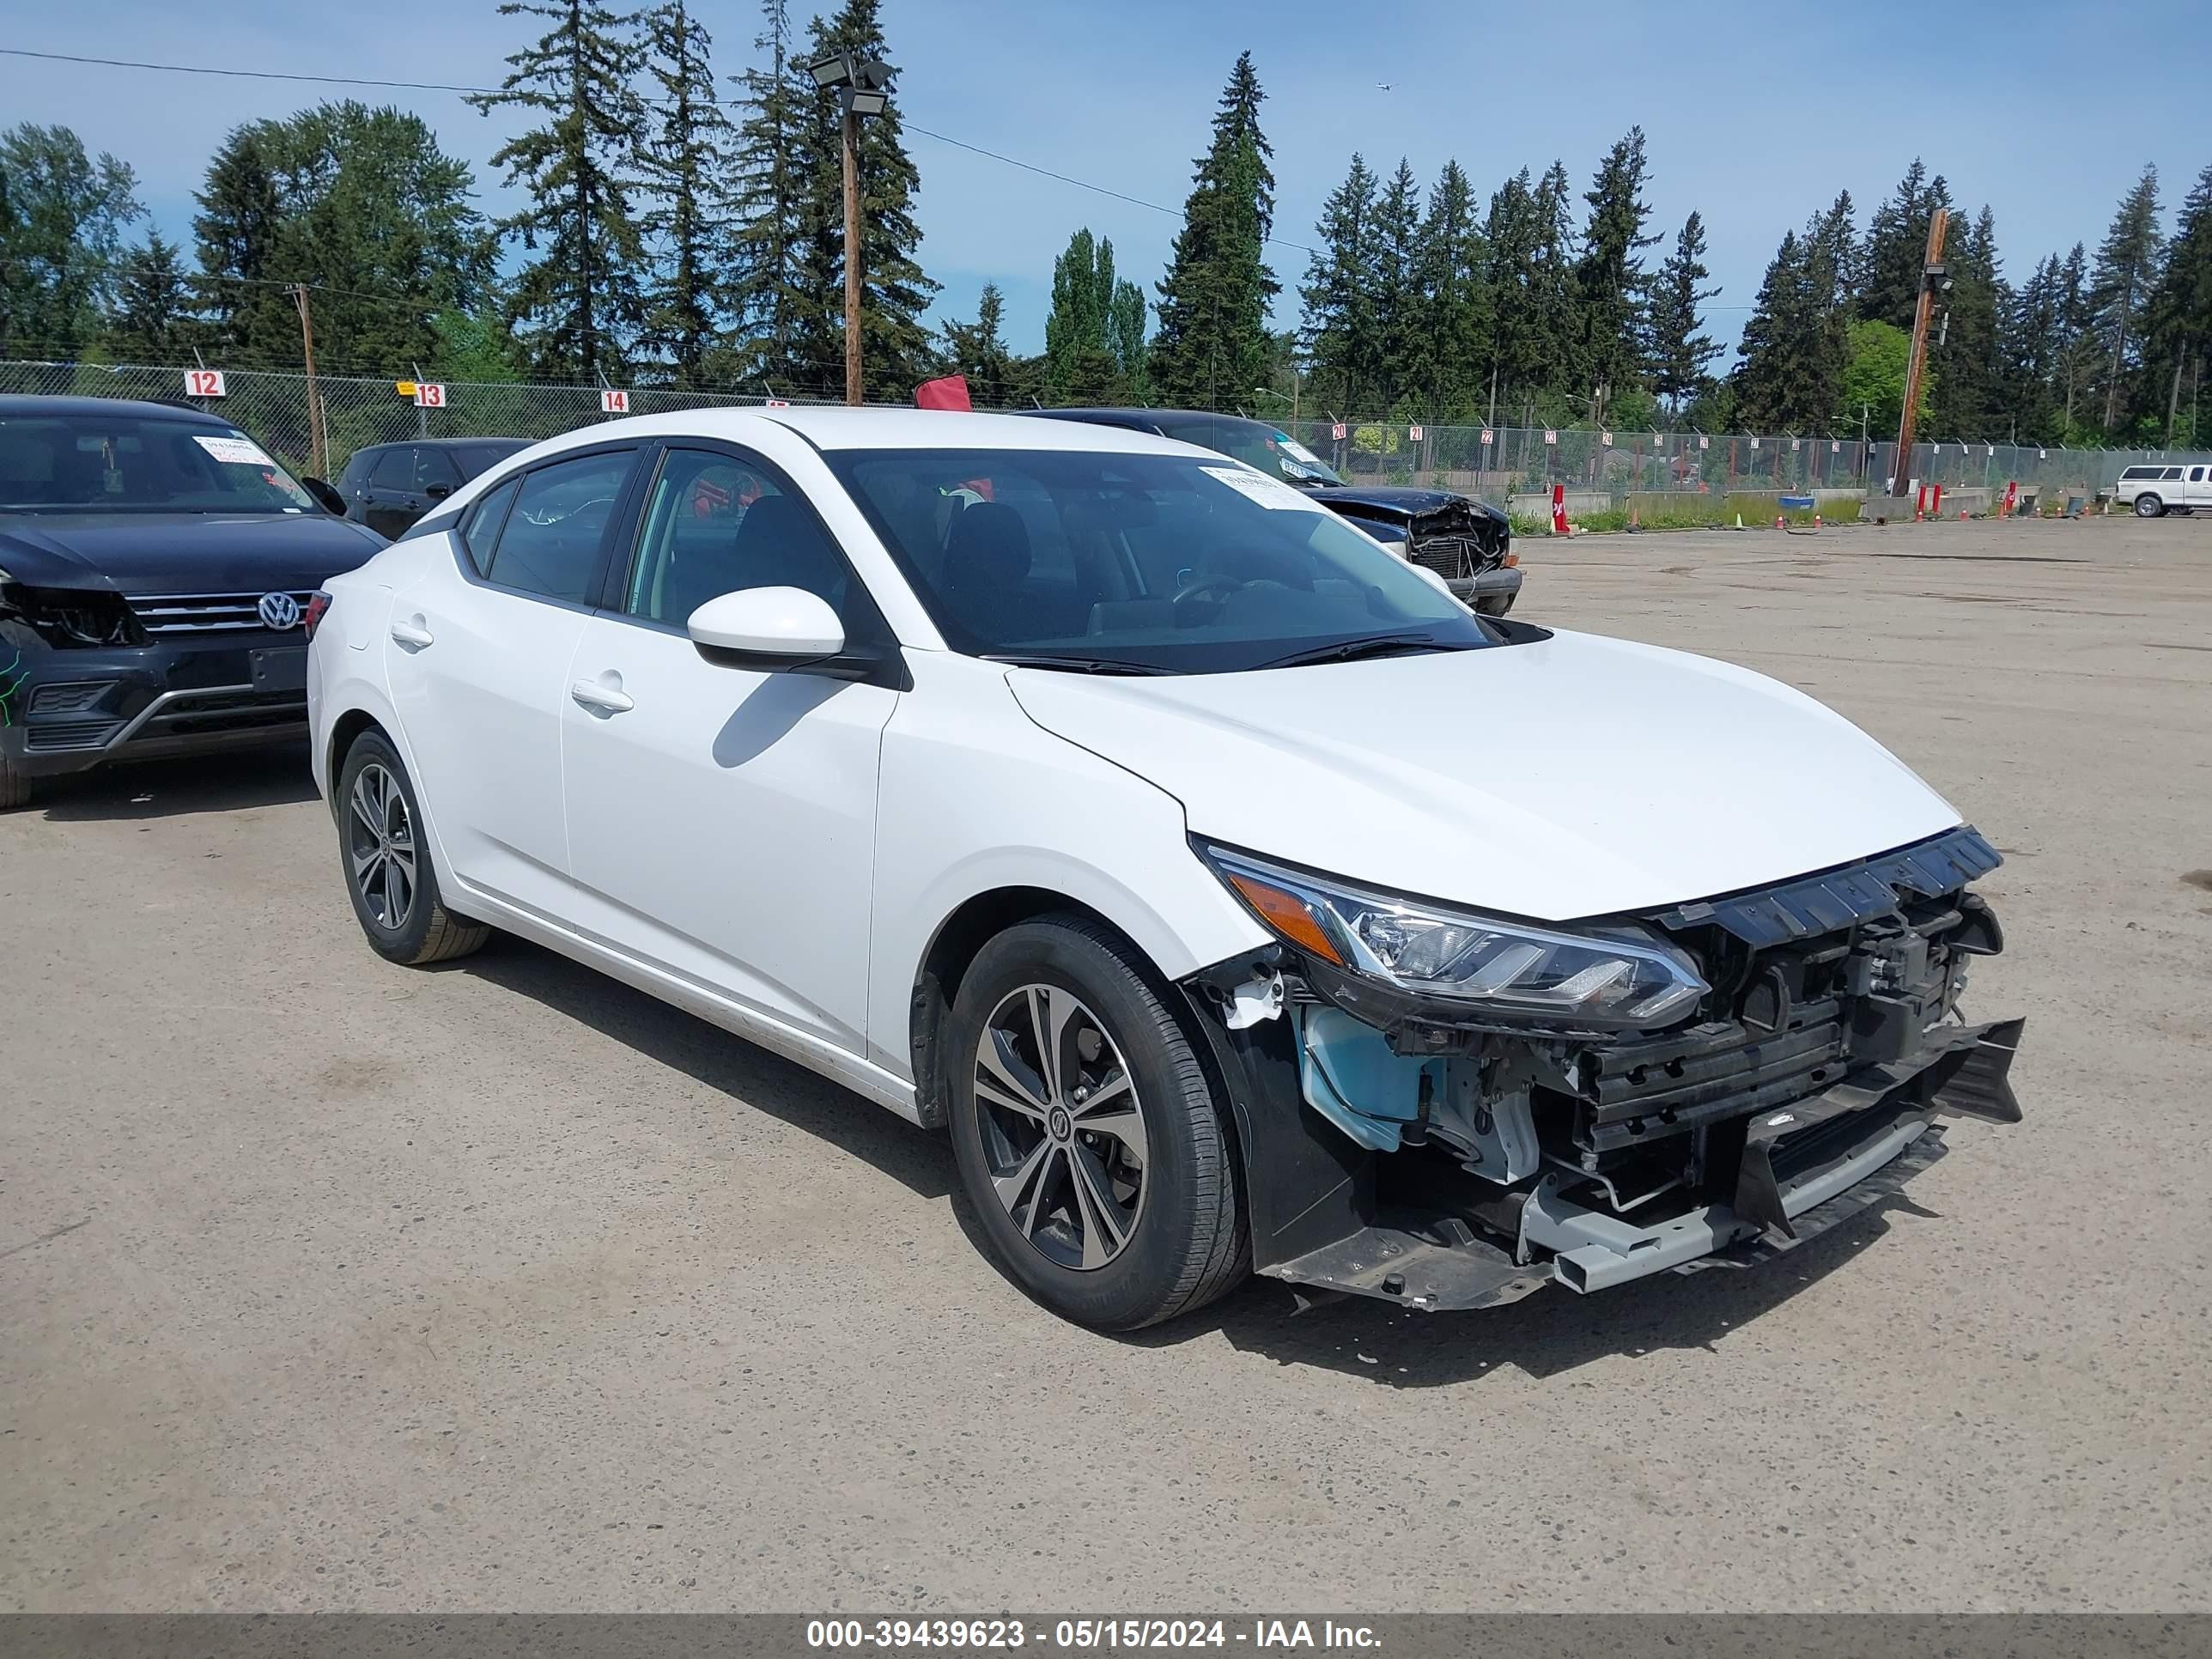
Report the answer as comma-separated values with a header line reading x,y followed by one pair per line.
x,y
721,821
477,658
389,503
2198,487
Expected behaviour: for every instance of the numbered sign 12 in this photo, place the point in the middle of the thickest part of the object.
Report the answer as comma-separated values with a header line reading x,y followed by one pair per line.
x,y
429,394
205,383
612,402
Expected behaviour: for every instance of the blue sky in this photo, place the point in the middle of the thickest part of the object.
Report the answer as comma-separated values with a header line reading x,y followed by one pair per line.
x,y
1755,116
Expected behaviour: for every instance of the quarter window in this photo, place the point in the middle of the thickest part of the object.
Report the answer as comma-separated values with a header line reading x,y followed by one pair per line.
x,y
485,520
550,545
715,524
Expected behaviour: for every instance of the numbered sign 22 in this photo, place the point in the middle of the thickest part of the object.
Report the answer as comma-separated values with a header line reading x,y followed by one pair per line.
x,y
612,402
205,383
429,394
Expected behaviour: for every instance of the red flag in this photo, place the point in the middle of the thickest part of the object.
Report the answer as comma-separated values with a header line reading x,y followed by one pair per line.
x,y
950,393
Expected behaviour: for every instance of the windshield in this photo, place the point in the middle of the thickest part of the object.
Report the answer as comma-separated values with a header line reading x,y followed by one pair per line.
x,y
1161,563
126,463
1255,443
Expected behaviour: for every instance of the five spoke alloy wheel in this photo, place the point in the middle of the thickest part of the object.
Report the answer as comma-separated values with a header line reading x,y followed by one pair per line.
x,y
380,846
1061,1126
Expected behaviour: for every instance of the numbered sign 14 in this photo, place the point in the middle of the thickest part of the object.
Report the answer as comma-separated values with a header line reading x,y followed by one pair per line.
x,y
612,402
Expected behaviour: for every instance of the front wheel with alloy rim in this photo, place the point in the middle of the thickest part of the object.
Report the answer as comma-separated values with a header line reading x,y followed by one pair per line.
x,y
2148,507
1098,1163
387,866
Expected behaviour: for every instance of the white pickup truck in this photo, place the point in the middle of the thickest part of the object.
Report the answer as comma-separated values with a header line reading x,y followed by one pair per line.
x,y
2154,489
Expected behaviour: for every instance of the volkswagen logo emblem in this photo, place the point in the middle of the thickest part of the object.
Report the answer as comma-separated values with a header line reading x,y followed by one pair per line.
x,y
278,611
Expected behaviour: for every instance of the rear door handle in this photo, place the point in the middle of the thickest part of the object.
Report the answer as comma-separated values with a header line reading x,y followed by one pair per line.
x,y
592,695
412,634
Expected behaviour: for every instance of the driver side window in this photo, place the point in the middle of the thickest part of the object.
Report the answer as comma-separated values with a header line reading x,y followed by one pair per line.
x,y
714,524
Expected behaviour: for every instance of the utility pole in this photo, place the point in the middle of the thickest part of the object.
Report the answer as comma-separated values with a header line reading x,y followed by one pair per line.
x,y
317,445
851,146
1931,277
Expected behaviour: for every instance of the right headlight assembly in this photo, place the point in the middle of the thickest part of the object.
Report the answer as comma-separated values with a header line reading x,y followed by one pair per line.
x,y
1511,972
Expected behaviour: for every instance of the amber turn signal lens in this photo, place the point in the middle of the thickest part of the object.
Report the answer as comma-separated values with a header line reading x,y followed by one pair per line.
x,y
1288,914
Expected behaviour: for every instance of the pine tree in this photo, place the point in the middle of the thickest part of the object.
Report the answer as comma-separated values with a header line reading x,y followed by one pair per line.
x,y
1896,247
2028,352
768,184
2178,320
153,306
1796,349
1337,331
62,216
1455,315
1213,345
1511,236
2126,272
1679,353
1967,398
577,307
1399,346
1610,285
977,350
249,319
1560,365
685,169
1081,365
894,340
2077,335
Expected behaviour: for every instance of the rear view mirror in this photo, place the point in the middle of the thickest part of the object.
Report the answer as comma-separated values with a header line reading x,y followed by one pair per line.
x,y
766,628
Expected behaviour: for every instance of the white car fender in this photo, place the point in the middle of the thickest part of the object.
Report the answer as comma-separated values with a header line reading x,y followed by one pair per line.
x,y
949,830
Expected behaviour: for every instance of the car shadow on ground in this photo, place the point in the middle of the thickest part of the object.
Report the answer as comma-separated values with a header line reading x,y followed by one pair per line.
x,y
1551,1331
173,789
765,1082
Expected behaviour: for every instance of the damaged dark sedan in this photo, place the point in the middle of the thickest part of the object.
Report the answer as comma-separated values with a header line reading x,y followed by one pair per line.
x,y
1468,543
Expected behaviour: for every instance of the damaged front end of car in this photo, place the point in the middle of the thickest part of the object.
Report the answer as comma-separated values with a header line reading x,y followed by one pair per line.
x,y
1451,1110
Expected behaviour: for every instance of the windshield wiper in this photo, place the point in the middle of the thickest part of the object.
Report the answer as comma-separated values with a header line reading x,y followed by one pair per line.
x,y
1076,665
1373,645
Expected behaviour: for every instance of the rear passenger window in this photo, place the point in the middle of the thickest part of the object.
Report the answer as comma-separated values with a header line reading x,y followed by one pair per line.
x,y
550,545
395,469
485,520
2174,473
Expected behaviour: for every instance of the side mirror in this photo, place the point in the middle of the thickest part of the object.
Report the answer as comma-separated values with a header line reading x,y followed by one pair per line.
x,y
438,492
325,497
766,628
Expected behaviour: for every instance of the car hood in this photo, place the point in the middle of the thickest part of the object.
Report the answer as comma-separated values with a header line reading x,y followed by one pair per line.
x,y
1400,503
1569,777
182,552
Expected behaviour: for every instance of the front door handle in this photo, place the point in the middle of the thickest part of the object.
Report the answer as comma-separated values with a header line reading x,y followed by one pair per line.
x,y
412,635
607,699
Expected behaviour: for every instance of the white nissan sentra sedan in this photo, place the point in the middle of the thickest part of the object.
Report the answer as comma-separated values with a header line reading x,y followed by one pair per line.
x,y
1235,898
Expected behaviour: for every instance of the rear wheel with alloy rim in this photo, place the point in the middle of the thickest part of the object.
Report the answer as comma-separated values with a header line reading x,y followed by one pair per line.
x,y
388,870
2148,506
1088,1137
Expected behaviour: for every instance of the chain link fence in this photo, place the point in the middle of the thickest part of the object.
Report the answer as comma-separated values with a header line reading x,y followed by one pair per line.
x,y
1658,474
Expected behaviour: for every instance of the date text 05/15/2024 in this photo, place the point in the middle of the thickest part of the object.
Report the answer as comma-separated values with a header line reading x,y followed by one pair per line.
x,y
1085,1635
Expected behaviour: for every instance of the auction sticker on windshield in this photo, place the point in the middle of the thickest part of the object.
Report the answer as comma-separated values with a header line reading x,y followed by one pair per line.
x,y
234,451
1261,489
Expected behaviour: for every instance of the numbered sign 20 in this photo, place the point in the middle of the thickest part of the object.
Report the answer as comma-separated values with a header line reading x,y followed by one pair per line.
x,y
429,394
1336,431
205,383
612,402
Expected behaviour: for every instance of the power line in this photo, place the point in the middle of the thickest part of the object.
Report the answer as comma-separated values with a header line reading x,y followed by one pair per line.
x,y
479,92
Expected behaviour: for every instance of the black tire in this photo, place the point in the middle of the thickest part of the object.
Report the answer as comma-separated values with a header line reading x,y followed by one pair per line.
x,y
421,930
1188,1243
2148,506
14,787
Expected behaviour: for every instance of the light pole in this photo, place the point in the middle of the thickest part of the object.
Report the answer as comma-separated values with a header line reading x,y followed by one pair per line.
x,y
863,89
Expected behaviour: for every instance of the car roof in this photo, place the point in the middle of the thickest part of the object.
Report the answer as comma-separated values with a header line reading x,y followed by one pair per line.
x,y
1150,416
446,443
20,403
845,428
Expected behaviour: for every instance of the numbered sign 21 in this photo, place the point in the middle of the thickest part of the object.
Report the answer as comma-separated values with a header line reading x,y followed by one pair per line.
x,y
612,402
205,383
429,394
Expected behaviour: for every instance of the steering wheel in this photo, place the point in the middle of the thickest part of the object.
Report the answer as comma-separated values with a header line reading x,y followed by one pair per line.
x,y
1198,585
